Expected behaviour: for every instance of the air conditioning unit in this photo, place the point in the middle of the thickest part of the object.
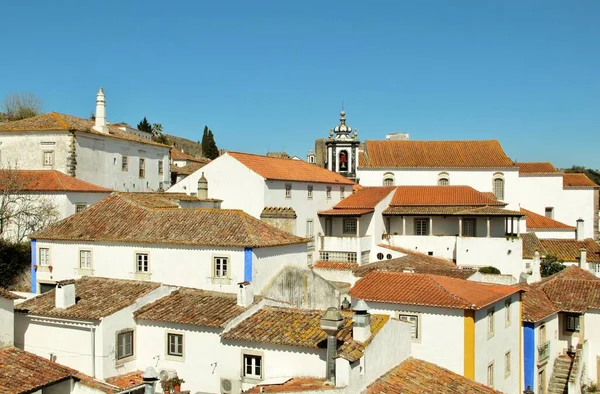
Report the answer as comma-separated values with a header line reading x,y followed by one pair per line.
x,y
230,386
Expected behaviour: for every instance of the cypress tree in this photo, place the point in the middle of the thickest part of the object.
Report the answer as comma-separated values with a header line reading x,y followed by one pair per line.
x,y
212,149
205,141
144,125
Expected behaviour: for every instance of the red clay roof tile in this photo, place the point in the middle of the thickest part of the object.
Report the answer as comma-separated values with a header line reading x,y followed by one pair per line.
x,y
572,290
536,304
577,180
536,221
46,181
441,196
366,197
434,154
569,250
536,168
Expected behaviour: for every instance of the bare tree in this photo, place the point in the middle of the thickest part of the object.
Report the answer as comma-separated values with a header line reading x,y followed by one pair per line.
x,y
18,106
22,212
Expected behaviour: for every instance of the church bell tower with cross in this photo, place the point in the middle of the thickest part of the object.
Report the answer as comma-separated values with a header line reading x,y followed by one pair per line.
x,y
342,149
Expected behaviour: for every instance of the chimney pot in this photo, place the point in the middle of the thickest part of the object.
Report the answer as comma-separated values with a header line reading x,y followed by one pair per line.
x,y
245,295
202,188
579,231
100,122
361,322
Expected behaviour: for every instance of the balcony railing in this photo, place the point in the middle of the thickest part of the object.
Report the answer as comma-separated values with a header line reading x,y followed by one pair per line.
x,y
544,351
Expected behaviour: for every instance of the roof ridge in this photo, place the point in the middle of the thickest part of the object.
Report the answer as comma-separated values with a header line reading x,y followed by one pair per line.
x,y
433,280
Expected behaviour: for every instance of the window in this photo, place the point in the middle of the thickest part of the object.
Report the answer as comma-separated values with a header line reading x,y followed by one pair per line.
x,y
124,344
328,192
413,320
342,193
48,158
549,212
85,259
328,227
443,182
572,323
310,230
142,265
124,163
499,186
469,226
507,312
175,345
142,167
80,207
160,167
46,287
490,322
507,364
421,226
490,374
350,226
252,366
309,190
221,267
44,257
388,179
288,191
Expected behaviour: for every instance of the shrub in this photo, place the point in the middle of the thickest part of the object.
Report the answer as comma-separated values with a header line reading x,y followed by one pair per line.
x,y
489,270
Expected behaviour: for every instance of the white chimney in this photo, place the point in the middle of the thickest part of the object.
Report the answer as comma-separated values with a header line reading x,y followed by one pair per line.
x,y
245,295
100,125
202,188
361,327
65,294
579,231
583,259
536,274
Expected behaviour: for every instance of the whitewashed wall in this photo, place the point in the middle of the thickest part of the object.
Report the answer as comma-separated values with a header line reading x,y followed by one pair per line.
x,y
506,337
7,322
592,330
479,179
267,262
99,161
551,324
25,149
432,346
557,234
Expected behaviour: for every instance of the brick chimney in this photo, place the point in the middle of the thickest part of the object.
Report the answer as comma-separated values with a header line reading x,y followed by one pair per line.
x,y
579,231
65,294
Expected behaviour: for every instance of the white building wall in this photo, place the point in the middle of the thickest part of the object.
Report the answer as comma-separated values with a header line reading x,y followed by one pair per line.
x,y
74,198
432,346
492,348
549,234
7,322
551,328
230,181
172,264
591,322
99,161
479,179
25,150
267,262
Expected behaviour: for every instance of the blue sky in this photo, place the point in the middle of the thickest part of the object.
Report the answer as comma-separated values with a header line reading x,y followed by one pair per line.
x,y
271,75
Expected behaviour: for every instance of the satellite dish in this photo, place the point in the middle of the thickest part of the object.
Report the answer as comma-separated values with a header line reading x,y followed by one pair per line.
x,y
163,375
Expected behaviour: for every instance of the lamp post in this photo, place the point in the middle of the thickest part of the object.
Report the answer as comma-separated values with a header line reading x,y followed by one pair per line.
x,y
331,322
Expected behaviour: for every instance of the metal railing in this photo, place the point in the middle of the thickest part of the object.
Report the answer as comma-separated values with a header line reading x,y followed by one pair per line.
x,y
544,351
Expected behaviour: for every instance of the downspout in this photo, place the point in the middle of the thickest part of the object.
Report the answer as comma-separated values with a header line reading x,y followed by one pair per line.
x,y
93,345
33,266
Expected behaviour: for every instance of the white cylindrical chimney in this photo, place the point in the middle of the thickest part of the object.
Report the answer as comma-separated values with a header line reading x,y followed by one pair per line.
x,y
536,274
361,327
583,259
100,125
202,188
65,294
579,232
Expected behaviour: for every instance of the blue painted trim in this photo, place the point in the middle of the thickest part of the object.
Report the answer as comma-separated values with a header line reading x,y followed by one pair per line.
x,y
33,262
248,264
529,354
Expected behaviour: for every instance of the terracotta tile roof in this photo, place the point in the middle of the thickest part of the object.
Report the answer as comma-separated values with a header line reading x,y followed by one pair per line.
x,y
288,169
577,180
154,200
46,181
464,196
299,327
367,197
192,306
335,265
536,305
24,372
414,376
451,211
345,212
127,380
536,168
278,212
417,262
569,249
536,221
176,154
572,290
435,154
96,298
54,121
531,243
428,290
293,385
133,222
7,294
188,169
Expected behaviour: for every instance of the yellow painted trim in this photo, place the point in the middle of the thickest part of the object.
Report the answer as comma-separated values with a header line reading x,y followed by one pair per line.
x,y
520,342
469,344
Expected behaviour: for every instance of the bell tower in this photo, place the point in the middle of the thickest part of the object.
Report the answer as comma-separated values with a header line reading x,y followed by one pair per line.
x,y
342,149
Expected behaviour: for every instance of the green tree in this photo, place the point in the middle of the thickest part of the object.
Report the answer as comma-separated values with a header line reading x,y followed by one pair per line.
x,y
212,151
204,142
144,125
489,270
550,265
